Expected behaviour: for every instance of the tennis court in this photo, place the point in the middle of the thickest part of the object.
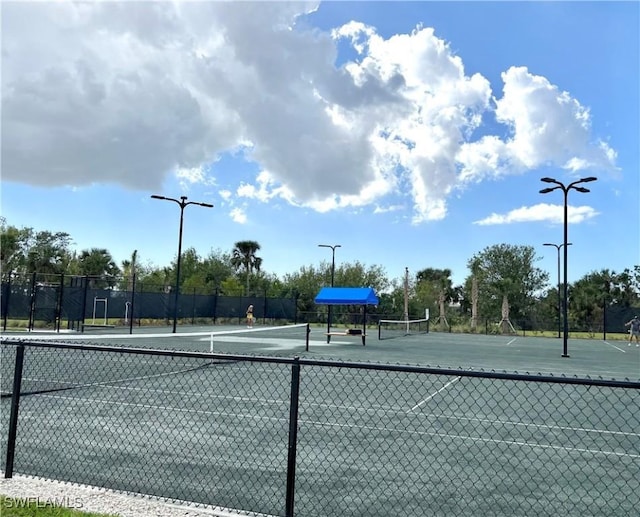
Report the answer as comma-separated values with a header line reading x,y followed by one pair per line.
x,y
372,438
588,357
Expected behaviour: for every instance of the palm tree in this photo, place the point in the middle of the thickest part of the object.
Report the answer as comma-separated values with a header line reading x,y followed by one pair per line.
x,y
129,269
98,262
440,279
244,257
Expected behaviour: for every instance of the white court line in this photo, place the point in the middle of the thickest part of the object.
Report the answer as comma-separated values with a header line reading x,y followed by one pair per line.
x,y
478,439
215,511
165,408
532,424
384,410
109,383
614,346
371,428
257,417
434,394
511,341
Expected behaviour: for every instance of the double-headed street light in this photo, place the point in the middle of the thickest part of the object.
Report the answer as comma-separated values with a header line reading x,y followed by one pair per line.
x,y
558,246
333,269
565,191
182,202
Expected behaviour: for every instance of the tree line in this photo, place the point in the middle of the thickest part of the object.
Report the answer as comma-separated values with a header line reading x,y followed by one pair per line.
x,y
503,282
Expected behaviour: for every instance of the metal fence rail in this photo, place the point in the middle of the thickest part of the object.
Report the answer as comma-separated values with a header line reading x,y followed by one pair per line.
x,y
285,436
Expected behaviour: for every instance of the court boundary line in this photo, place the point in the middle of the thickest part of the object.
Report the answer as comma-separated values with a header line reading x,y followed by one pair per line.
x,y
455,379
384,410
614,346
72,386
376,428
249,399
479,439
179,410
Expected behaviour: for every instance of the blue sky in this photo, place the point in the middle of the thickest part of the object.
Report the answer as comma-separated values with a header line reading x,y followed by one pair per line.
x,y
412,134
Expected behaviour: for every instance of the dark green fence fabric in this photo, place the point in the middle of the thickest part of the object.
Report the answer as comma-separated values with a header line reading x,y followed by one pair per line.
x,y
66,302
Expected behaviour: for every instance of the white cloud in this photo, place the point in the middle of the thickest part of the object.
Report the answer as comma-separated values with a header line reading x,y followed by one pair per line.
x,y
194,175
540,212
238,215
128,93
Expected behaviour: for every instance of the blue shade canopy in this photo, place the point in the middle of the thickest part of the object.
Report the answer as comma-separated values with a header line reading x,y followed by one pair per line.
x,y
347,296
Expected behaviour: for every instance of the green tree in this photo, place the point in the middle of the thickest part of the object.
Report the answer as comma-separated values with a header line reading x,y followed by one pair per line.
x,y
98,264
589,295
129,270
508,281
243,257
624,287
305,285
154,279
13,242
47,253
356,274
231,287
438,282
469,294
191,273
217,267
392,299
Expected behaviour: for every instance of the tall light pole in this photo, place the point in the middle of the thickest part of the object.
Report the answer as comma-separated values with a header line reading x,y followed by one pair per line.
x,y
333,270
181,203
565,191
558,246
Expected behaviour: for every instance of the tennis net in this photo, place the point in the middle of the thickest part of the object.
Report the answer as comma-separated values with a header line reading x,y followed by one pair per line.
x,y
50,367
389,329
228,340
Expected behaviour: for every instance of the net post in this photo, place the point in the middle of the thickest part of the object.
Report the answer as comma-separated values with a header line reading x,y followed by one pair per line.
x,y
15,405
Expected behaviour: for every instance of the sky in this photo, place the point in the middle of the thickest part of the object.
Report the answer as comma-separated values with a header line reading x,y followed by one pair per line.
x,y
412,134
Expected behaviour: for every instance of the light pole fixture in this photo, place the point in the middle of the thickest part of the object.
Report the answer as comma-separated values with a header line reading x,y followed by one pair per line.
x,y
333,270
565,190
558,246
182,202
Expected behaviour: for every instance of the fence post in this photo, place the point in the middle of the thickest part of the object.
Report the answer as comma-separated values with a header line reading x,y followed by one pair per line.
x,y
32,303
13,418
264,309
193,307
58,315
215,305
7,295
293,436
133,297
85,292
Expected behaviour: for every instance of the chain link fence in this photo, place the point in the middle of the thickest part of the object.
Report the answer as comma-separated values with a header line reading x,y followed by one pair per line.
x,y
284,436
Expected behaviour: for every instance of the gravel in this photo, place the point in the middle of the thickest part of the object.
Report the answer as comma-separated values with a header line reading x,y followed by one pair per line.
x,y
101,500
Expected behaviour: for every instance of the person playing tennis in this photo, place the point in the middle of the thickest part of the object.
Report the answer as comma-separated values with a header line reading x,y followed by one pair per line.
x,y
634,330
250,316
